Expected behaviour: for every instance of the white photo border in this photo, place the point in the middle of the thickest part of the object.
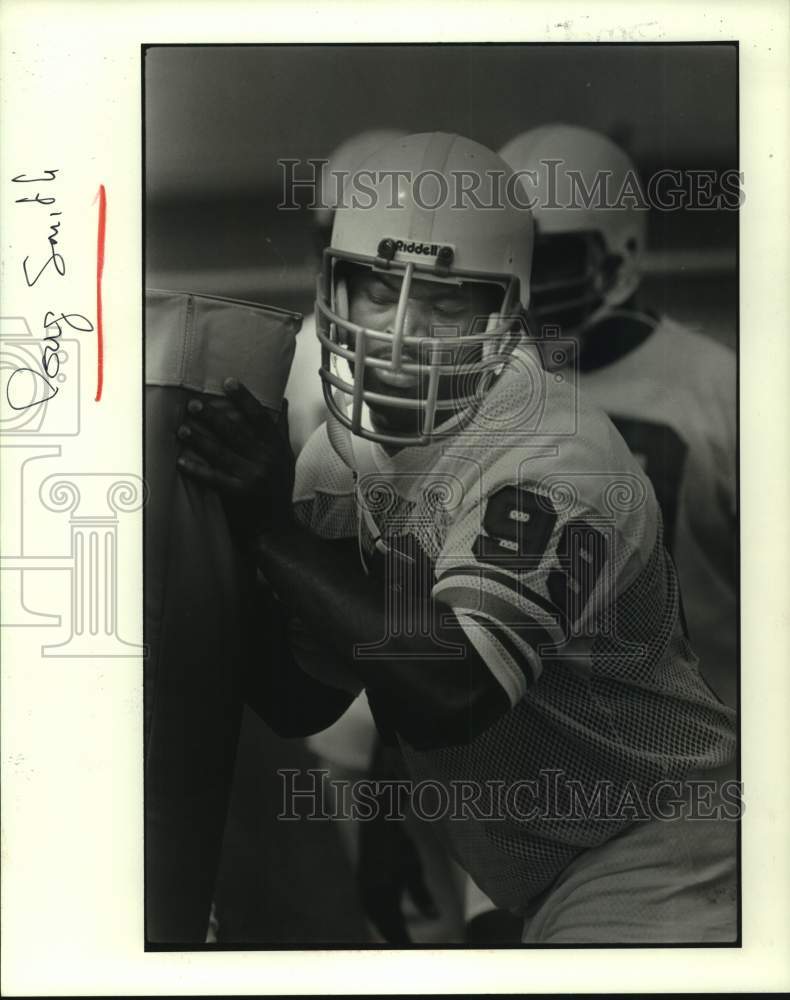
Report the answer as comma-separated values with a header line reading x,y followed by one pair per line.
x,y
72,900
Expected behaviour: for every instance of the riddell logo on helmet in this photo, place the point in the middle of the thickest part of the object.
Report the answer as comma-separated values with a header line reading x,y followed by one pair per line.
x,y
429,249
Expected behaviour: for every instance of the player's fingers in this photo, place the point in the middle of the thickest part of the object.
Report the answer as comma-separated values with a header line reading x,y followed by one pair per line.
x,y
193,467
210,448
226,421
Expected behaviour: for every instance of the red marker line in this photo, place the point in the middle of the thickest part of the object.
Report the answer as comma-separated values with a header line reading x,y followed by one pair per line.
x,y
102,196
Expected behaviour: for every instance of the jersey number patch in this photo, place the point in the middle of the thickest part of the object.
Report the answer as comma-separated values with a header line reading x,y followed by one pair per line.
x,y
518,527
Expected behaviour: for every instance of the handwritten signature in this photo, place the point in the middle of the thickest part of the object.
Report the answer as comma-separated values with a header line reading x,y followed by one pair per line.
x,y
50,361
54,258
18,387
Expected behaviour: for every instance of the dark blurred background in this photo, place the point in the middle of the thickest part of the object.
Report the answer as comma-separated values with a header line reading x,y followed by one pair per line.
x,y
217,119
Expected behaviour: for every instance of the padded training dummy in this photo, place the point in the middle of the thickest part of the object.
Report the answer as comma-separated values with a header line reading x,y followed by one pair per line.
x,y
197,585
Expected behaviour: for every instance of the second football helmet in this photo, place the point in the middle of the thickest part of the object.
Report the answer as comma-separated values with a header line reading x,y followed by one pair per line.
x,y
580,185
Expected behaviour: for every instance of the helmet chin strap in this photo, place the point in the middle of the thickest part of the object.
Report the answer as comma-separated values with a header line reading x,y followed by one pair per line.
x,y
638,315
343,446
340,436
341,298
557,310
606,312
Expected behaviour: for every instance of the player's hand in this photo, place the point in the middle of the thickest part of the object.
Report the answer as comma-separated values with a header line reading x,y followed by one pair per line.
x,y
389,869
236,446
389,865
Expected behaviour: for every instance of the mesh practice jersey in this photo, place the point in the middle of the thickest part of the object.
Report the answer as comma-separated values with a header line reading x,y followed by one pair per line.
x,y
540,531
673,398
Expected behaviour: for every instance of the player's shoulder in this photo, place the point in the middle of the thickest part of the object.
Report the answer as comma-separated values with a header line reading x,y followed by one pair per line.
x,y
701,365
693,348
546,423
554,444
320,469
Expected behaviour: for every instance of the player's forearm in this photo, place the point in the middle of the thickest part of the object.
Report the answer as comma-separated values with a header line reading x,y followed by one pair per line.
x,y
289,700
325,587
437,687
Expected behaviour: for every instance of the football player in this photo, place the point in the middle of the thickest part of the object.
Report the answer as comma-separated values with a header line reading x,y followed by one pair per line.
x,y
670,391
484,557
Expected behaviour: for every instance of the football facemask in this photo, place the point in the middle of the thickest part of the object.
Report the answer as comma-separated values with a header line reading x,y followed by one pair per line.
x,y
451,244
433,367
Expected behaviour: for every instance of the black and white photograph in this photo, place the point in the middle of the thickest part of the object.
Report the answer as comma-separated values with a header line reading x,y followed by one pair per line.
x,y
394,410
442,548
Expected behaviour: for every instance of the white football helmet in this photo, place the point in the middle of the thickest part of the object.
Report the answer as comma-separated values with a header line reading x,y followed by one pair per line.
x,y
453,241
570,198
343,160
